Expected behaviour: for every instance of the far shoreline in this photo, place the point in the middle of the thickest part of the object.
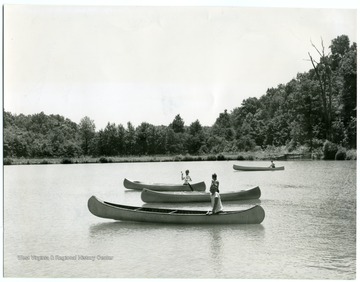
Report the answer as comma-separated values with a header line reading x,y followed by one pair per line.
x,y
242,156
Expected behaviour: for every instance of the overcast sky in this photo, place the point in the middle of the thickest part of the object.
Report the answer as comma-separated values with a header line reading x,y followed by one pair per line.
x,y
118,64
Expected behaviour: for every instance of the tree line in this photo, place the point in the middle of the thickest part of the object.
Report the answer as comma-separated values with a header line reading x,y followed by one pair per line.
x,y
317,107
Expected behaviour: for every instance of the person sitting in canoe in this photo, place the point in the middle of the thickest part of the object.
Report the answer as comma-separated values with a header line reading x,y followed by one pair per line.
x,y
215,196
186,179
272,165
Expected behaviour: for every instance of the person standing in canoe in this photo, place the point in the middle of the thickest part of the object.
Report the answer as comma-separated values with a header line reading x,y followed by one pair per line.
x,y
215,196
272,165
187,179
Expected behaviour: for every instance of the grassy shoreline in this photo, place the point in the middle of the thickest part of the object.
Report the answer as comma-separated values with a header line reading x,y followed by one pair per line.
x,y
277,155
249,156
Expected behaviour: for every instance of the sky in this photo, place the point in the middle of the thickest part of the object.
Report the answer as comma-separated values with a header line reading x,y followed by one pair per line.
x,y
121,63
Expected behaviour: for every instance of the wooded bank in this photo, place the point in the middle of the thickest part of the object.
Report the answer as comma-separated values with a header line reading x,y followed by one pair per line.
x,y
314,113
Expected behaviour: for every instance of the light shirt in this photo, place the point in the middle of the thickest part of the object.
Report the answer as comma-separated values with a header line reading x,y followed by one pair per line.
x,y
186,179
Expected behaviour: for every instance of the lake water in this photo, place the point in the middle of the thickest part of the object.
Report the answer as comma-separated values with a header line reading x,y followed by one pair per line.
x,y
309,230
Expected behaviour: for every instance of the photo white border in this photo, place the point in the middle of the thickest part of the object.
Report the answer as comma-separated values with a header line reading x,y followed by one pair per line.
x,y
331,4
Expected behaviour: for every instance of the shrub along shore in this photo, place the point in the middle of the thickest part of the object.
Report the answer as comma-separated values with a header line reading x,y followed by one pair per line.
x,y
243,156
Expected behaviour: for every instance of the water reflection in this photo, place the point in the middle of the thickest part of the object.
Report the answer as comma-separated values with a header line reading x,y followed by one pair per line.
x,y
219,238
215,231
123,227
217,249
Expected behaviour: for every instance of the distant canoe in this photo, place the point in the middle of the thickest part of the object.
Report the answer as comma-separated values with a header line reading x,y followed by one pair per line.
x,y
150,196
97,207
137,185
256,168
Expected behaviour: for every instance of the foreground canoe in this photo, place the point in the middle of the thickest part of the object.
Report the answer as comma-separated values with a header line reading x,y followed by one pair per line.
x,y
97,207
256,168
138,185
150,196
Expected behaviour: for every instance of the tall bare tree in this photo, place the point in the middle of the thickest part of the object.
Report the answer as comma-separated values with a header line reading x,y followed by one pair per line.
x,y
324,75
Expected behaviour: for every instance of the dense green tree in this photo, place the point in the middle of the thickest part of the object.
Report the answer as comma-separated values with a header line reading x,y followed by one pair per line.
x,y
87,132
174,144
39,124
108,140
195,128
178,124
121,143
348,105
339,47
223,127
196,137
150,139
130,139
160,145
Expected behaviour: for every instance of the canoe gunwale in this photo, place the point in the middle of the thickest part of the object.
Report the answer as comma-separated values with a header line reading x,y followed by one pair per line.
x,y
167,211
152,210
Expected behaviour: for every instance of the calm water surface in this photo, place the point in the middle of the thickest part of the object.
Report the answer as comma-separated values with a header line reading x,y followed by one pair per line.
x,y
309,231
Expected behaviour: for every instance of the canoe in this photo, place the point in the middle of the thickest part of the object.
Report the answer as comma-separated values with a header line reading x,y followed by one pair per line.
x,y
253,215
150,196
138,185
256,168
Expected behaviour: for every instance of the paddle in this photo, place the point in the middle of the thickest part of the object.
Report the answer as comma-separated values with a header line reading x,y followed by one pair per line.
x,y
192,189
